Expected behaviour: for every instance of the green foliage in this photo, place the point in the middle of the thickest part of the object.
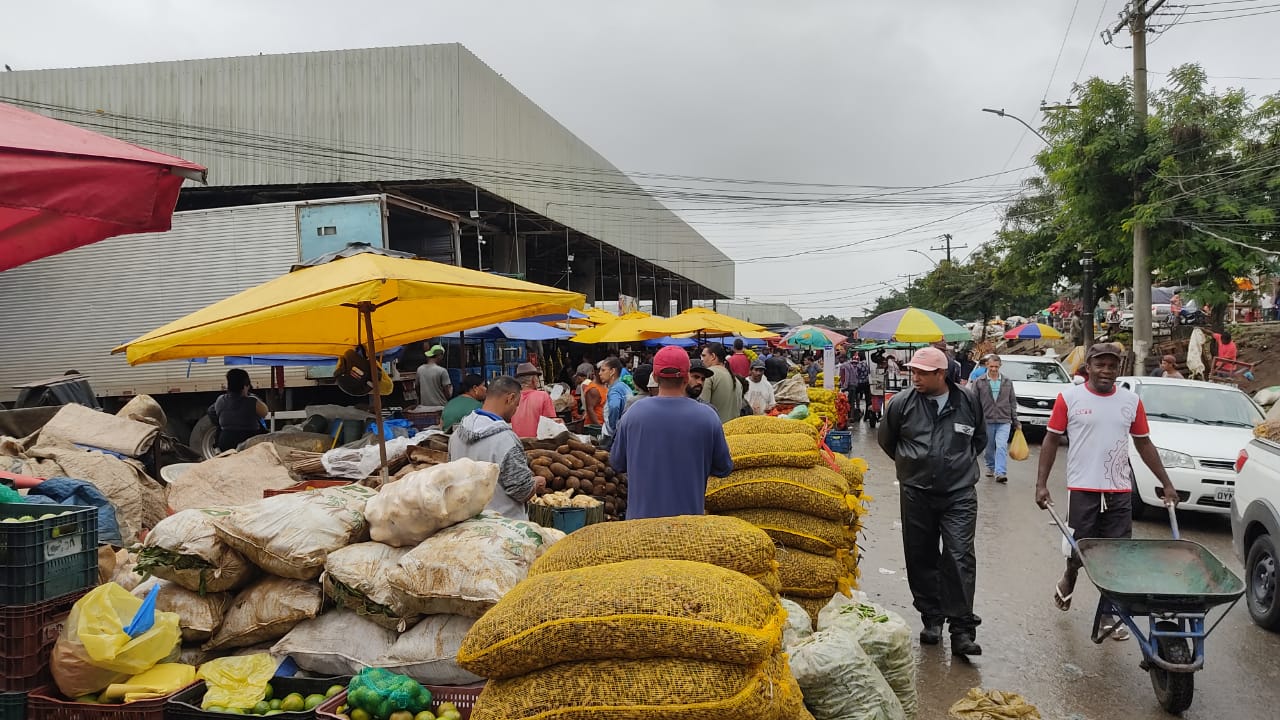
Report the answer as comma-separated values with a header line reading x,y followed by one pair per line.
x,y
827,321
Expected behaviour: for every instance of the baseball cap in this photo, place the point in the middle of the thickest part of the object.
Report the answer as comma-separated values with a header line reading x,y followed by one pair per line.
x,y
1104,349
671,362
929,359
435,350
757,365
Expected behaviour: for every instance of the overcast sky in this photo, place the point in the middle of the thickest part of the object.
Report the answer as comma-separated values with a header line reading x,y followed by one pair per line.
x,y
870,92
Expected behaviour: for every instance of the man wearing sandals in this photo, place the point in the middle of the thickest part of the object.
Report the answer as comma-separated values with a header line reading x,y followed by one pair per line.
x,y
1099,418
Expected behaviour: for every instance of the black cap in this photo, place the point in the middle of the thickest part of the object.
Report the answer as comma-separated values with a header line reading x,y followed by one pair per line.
x,y
1104,349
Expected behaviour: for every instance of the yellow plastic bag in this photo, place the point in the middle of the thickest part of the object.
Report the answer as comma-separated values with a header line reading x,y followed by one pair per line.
x,y
159,681
238,681
1018,446
93,649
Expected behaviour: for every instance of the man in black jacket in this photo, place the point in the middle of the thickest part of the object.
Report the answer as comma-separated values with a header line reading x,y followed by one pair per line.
x,y
934,433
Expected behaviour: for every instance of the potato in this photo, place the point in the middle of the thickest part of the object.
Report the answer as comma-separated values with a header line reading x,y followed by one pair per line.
x,y
572,483
579,445
610,488
563,449
560,469
556,483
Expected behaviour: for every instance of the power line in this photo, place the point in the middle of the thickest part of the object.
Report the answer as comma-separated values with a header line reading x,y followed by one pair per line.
x,y
1102,11
1066,34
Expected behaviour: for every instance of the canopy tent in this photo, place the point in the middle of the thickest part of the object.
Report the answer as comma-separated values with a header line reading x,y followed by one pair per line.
x,y
706,322
62,187
813,337
367,301
632,327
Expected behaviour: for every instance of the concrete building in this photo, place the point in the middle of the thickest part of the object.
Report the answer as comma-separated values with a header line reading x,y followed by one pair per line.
x,y
761,313
430,124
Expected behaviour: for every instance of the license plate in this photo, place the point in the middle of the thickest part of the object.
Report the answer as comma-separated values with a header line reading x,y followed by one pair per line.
x,y
1224,495
1037,421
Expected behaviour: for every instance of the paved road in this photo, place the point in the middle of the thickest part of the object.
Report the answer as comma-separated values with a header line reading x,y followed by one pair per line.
x,y
1032,648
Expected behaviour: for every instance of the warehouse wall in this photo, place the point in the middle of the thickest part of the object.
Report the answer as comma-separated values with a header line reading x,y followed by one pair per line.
x,y
403,113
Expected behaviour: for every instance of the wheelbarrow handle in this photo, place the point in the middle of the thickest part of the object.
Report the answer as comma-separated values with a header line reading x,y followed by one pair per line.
x,y
1066,531
1173,521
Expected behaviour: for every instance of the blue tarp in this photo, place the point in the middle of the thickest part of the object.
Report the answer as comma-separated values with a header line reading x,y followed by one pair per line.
x,y
69,491
671,341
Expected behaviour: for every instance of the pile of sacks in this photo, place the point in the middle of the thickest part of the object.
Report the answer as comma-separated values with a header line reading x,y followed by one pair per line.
x,y
807,500
662,618
344,577
859,664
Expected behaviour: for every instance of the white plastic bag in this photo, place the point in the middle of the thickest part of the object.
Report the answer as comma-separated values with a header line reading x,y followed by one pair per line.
x,y
467,568
336,644
267,610
360,463
549,428
424,502
428,653
799,625
839,680
290,535
884,636
356,577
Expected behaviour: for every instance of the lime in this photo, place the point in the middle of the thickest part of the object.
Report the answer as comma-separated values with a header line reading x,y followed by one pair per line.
x,y
262,708
275,704
424,715
401,715
313,700
333,690
293,702
271,692
446,707
27,518
359,714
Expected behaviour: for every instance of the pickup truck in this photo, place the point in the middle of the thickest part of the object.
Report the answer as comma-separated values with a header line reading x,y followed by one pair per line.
x,y
1255,528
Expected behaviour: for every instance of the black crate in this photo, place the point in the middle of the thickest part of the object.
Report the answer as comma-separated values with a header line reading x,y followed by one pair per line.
x,y
27,635
13,706
186,704
45,559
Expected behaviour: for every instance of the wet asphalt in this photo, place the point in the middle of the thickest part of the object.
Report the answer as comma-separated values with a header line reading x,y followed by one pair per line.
x,y
1032,648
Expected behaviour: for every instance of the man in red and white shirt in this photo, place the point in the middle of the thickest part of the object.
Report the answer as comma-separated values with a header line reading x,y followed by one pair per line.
x,y
1100,418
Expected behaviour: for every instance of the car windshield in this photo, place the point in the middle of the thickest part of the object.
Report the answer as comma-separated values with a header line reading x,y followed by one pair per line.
x,y
1198,405
1044,372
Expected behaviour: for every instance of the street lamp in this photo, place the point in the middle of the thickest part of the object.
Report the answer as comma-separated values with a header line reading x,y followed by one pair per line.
x,y
926,257
1002,113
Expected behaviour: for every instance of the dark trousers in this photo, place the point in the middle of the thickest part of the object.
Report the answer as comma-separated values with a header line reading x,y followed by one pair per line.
x,y
1098,515
942,580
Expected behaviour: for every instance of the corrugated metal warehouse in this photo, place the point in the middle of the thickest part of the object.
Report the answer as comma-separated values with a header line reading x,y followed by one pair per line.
x,y
430,123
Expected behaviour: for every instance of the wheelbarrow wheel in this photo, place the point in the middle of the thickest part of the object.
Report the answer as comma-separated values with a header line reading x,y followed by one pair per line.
x,y
1174,690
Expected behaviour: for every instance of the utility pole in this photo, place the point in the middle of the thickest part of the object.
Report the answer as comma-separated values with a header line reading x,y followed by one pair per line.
x,y
946,237
1135,17
1087,299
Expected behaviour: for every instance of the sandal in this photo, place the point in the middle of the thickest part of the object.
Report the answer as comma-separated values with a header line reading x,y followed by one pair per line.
x,y
1063,602
1121,633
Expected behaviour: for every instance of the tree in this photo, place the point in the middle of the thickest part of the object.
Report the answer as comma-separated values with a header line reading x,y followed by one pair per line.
x,y
827,320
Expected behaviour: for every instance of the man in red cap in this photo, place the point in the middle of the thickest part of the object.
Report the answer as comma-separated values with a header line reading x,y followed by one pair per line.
x,y
669,445
935,432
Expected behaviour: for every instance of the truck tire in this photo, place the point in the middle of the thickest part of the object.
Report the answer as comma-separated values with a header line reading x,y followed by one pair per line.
x,y
204,438
1260,583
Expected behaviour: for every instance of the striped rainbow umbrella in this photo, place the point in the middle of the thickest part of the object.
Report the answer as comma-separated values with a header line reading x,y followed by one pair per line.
x,y
913,325
1033,331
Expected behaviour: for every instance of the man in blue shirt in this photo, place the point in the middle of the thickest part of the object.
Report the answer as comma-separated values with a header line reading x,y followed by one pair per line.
x,y
669,446
609,372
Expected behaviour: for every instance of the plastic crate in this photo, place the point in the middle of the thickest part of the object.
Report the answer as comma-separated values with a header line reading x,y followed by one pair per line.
x,y
27,635
46,704
45,559
306,485
463,697
840,441
565,519
13,705
186,704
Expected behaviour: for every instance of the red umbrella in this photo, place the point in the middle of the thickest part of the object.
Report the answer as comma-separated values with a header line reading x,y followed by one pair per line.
x,y
62,186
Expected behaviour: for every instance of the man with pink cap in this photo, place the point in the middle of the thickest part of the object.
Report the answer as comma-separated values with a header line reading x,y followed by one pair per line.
x,y
934,432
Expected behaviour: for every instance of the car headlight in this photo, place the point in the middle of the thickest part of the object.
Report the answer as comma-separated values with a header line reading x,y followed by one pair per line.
x,y
1173,459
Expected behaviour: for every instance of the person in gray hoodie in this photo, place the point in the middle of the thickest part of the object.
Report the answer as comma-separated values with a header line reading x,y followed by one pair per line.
x,y
1000,408
486,436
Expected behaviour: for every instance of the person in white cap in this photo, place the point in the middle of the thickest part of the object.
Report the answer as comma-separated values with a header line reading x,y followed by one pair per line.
x,y
434,386
934,433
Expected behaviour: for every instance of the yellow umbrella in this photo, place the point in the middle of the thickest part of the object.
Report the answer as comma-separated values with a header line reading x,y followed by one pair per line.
x,y
366,300
706,322
599,316
323,309
628,328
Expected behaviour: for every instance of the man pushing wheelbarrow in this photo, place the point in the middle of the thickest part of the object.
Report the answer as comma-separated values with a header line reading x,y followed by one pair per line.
x,y
1173,582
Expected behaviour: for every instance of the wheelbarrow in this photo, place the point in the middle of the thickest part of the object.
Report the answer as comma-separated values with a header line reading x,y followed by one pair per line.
x,y
1174,584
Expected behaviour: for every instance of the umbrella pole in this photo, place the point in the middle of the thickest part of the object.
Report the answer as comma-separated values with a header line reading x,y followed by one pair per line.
x,y
375,367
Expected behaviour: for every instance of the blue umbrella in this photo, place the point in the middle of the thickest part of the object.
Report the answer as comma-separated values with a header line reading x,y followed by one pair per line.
x,y
515,330
671,341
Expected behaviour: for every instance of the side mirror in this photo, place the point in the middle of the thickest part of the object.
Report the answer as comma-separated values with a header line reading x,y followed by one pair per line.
x,y
1077,380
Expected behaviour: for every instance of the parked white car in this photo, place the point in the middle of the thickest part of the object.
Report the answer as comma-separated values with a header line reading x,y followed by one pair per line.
x,y
1037,381
1199,429
1255,528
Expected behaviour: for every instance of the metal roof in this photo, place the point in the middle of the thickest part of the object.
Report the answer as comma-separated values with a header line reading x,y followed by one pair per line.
x,y
426,112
